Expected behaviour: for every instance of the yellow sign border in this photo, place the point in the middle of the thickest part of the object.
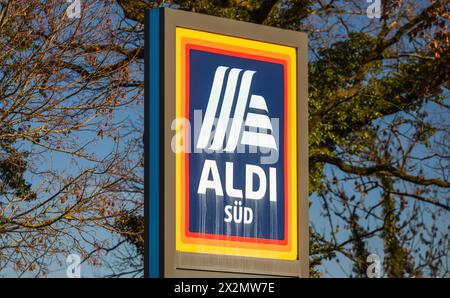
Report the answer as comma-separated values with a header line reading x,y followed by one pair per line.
x,y
220,246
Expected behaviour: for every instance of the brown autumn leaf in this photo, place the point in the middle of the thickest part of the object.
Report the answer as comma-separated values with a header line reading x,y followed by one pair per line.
x,y
100,134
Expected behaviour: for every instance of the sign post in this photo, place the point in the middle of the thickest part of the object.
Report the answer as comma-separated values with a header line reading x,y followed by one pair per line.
x,y
225,148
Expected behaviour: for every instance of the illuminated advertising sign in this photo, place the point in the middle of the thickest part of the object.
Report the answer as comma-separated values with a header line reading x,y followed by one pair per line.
x,y
236,178
226,158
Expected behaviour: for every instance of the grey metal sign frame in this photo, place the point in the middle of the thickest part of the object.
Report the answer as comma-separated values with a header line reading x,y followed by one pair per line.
x,y
181,264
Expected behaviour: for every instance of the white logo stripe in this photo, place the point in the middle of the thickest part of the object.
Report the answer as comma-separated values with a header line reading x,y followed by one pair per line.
x,y
227,103
211,109
258,102
258,139
239,111
258,121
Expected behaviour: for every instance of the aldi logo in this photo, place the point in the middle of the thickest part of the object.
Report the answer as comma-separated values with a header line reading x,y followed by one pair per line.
x,y
253,120
236,175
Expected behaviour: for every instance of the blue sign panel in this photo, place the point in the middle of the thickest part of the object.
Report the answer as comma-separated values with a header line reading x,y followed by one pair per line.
x,y
245,216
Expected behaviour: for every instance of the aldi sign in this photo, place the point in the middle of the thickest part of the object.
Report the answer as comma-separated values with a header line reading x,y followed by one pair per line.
x,y
226,164
236,175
